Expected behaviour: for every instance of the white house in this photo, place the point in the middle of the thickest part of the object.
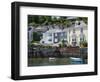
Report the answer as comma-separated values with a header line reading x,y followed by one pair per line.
x,y
53,36
72,35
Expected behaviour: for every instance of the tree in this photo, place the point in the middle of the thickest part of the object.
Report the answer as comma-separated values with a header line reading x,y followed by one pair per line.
x,y
85,19
36,36
38,20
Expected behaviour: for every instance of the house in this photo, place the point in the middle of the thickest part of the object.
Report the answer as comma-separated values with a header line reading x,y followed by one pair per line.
x,y
72,35
53,36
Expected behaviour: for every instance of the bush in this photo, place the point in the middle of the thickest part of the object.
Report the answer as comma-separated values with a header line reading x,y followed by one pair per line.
x,y
36,36
83,44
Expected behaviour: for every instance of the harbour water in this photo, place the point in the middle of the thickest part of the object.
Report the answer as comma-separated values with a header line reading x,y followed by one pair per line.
x,y
52,61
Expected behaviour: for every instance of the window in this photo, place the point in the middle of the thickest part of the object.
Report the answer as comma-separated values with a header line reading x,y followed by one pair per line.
x,y
62,34
50,34
82,37
79,23
50,40
55,40
55,34
29,29
74,37
74,41
43,42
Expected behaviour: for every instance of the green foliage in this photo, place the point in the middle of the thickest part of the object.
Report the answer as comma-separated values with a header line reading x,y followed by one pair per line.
x,y
84,44
36,36
85,19
37,20
63,43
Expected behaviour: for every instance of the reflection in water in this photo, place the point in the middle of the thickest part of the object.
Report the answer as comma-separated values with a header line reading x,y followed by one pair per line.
x,y
54,56
50,61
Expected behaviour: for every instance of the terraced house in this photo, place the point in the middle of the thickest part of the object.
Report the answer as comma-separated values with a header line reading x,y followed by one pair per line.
x,y
73,35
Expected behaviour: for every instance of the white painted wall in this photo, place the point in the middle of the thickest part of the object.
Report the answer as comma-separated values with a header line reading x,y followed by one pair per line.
x,y
5,41
77,32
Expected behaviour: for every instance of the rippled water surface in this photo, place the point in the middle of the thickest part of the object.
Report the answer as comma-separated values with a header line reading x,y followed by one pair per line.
x,y
50,61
